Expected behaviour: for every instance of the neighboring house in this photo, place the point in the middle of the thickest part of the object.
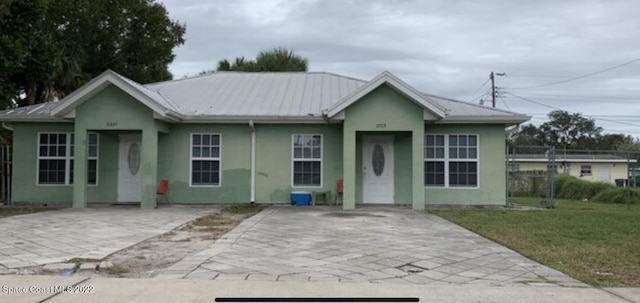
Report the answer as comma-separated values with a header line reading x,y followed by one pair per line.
x,y
591,167
238,137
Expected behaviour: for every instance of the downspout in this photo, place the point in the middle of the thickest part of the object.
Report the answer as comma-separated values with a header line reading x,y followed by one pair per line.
x,y
253,161
7,127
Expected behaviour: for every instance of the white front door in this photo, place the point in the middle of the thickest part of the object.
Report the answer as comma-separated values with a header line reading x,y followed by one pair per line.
x,y
130,168
377,169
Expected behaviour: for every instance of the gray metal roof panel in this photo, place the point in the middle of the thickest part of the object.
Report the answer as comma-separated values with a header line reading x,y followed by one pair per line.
x,y
257,94
43,109
283,94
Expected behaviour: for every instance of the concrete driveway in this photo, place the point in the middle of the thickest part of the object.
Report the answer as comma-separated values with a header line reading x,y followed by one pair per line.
x,y
371,244
56,236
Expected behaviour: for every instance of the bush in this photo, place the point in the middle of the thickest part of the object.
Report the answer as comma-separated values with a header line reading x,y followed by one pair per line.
x,y
561,180
617,195
577,189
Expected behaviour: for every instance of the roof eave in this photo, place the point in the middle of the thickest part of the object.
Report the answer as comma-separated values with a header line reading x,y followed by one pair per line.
x,y
32,118
508,120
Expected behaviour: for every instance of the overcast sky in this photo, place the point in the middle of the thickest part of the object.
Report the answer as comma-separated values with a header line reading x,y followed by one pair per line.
x,y
443,47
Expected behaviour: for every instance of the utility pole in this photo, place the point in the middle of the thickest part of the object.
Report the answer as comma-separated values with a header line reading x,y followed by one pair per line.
x,y
493,87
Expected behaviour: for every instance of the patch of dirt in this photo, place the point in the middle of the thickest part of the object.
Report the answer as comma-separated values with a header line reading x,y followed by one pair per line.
x,y
149,258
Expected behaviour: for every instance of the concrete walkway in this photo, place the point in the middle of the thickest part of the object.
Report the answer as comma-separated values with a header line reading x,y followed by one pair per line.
x,y
96,232
38,289
371,244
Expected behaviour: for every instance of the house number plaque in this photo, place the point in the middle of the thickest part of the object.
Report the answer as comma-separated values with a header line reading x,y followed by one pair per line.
x,y
381,125
112,124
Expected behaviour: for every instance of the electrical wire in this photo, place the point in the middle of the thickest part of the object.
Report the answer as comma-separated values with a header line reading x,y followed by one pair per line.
x,y
557,108
475,91
505,103
579,77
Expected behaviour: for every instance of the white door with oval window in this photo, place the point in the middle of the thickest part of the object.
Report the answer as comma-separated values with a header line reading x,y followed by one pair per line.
x,y
377,169
130,168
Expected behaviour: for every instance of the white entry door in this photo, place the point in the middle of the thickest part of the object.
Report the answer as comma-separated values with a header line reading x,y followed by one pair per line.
x,y
377,169
129,168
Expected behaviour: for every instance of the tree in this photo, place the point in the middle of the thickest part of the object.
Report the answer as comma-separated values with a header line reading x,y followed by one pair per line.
x,y
276,60
570,131
26,50
134,38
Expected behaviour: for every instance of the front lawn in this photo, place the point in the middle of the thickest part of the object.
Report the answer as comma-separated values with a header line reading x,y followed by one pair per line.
x,y
596,243
7,211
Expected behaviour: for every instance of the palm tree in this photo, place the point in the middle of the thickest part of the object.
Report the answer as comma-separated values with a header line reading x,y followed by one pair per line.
x,y
280,60
276,60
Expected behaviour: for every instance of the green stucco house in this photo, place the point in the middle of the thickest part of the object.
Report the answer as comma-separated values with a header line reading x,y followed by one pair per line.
x,y
255,137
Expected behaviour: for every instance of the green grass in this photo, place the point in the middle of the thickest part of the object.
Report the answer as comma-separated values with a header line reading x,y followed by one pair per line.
x,y
597,243
8,211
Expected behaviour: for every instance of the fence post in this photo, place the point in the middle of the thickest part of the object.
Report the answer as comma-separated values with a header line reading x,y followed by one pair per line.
x,y
551,166
629,182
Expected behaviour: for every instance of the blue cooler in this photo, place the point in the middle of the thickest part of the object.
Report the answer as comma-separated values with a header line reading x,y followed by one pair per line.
x,y
300,198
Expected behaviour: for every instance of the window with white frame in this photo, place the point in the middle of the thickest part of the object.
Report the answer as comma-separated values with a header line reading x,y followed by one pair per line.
x,y
451,160
307,160
56,155
585,170
205,159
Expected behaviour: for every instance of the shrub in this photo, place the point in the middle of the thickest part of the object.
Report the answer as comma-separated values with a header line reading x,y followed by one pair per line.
x,y
578,189
561,180
617,195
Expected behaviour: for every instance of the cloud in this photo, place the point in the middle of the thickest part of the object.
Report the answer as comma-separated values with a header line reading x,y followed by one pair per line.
x,y
442,47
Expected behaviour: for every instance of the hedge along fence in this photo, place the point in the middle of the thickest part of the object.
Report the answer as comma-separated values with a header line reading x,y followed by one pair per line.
x,y
568,187
534,184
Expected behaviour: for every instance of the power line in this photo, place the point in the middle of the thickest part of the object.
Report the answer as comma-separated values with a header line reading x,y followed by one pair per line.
x,y
584,96
505,103
475,91
557,108
579,77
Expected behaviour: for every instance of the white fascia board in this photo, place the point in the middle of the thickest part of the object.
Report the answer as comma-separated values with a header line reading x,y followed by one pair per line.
x,y
32,118
397,84
95,86
484,119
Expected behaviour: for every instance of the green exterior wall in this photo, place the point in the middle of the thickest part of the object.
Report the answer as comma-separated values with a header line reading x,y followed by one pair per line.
x,y
174,163
274,159
491,177
166,155
98,113
385,110
24,170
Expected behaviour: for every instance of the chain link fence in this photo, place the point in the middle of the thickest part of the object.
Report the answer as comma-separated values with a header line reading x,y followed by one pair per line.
x,y
534,171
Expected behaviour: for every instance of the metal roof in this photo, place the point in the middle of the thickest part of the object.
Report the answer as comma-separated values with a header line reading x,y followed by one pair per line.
x,y
257,94
300,96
